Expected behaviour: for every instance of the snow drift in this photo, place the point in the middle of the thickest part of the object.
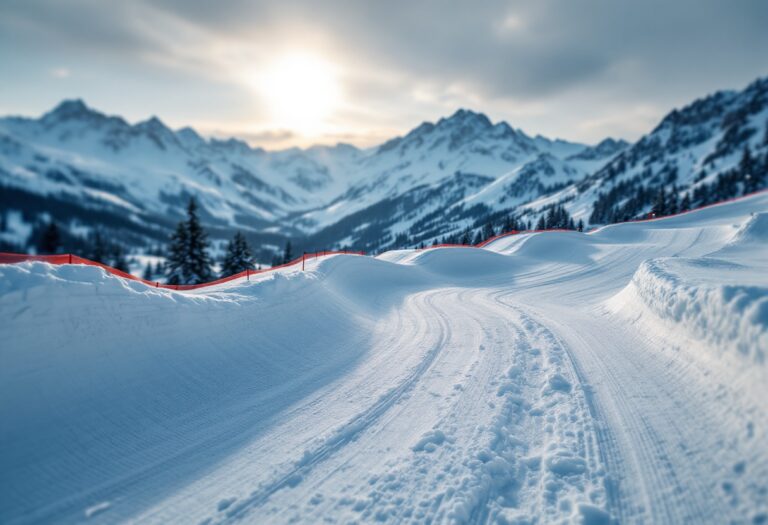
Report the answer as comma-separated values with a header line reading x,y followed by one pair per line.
x,y
731,316
511,384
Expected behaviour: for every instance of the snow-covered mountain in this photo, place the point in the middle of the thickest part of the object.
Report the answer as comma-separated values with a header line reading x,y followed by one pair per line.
x,y
75,163
698,149
84,168
446,175
149,168
615,376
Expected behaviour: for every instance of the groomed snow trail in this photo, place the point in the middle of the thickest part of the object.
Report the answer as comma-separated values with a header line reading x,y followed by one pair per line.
x,y
615,377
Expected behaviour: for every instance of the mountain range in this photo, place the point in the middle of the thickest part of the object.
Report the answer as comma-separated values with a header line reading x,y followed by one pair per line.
x,y
83,168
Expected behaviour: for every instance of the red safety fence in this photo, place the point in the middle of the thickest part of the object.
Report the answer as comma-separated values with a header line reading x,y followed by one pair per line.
x,y
649,218
68,258
517,232
490,240
10,258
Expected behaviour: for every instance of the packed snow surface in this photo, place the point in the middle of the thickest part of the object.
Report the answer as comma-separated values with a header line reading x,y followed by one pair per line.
x,y
615,376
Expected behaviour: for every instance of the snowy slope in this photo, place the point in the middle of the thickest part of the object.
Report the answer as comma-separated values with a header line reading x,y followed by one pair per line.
x,y
556,377
688,149
438,179
466,143
145,173
75,148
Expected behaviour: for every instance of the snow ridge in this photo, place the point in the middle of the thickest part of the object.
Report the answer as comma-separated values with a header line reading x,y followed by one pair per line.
x,y
729,316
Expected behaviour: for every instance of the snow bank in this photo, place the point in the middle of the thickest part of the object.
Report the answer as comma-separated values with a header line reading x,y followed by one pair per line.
x,y
707,297
364,388
713,297
93,364
460,263
749,241
568,247
755,230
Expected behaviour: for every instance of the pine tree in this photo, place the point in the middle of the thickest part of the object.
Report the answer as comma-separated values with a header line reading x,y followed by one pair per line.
x,y
465,238
238,257
118,260
685,204
98,247
149,272
188,260
551,220
580,225
478,238
660,206
672,202
488,231
748,172
175,265
288,253
51,239
198,260
702,195
541,224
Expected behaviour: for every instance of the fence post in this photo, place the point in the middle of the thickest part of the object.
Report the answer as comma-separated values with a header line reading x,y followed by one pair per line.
x,y
248,274
303,256
70,258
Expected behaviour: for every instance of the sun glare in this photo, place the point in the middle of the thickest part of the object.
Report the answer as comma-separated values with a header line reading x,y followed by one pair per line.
x,y
301,92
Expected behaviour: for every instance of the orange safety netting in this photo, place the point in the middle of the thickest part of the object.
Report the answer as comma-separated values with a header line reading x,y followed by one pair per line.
x,y
68,258
10,258
650,217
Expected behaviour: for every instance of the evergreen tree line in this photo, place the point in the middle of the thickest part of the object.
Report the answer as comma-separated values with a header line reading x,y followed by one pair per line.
x,y
558,218
188,259
49,238
750,175
555,217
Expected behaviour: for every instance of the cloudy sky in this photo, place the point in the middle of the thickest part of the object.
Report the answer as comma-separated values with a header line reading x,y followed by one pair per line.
x,y
286,72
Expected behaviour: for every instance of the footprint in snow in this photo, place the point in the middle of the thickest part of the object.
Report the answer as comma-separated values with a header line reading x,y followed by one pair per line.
x,y
566,465
558,383
430,441
224,504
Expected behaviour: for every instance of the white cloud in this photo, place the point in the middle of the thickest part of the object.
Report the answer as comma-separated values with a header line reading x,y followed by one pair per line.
x,y
571,69
60,72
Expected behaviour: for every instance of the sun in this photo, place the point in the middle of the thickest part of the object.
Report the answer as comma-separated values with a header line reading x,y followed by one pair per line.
x,y
301,91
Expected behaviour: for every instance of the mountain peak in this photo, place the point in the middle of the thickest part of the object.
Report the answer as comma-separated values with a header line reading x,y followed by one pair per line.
x,y
189,137
233,145
464,116
606,148
153,124
70,109
71,105
610,146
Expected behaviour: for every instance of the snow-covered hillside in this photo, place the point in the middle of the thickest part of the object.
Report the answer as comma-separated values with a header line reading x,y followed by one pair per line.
x,y
686,153
611,377
86,169
74,160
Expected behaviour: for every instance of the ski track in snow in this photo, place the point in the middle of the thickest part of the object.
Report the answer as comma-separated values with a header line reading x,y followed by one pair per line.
x,y
543,385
